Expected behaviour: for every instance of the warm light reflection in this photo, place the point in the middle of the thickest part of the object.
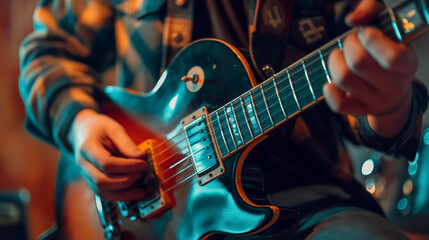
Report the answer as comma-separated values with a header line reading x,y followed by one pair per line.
x,y
407,187
402,204
370,185
408,27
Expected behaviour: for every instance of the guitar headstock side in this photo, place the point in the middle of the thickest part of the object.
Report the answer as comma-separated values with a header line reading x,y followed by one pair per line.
x,y
410,19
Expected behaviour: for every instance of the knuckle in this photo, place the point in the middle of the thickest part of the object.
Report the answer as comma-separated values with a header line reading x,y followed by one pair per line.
x,y
393,59
117,130
80,160
85,146
370,36
358,62
333,104
342,78
128,182
99,183
340,107
108,165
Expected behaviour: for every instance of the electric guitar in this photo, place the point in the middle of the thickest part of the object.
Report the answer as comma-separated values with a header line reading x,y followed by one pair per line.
x,y
198,138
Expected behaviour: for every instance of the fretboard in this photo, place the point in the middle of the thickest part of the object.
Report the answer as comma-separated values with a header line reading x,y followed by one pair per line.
x,y
272,102
298,87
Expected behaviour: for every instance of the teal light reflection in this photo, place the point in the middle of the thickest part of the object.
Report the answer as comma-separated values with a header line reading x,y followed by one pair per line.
x,y
169,111
413,166
402,204
426,138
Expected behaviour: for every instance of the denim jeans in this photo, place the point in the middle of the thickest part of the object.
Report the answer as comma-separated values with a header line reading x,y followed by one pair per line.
x,y
339,223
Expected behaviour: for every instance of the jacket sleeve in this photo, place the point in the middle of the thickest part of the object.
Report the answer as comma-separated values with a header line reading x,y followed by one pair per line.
x,y
62,62
406,142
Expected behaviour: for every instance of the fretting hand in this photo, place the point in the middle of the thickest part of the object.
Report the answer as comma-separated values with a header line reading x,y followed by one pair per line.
x,y
372,75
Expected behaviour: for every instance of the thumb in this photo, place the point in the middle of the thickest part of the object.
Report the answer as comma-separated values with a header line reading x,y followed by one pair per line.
x,y
124,144
365,13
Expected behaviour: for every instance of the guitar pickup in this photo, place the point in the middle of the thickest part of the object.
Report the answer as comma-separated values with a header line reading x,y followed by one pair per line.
x,y
205,155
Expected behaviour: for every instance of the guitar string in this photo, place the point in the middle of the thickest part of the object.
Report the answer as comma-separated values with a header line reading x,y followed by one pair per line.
x,y
190,165
181,171
259,94
186,150
178,162
178,173
186,157
241,115
311,62
324,54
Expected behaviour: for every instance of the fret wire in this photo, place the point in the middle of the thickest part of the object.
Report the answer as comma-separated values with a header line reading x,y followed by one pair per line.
x,y
394,24
245,116
322,55
256,112
291,83
340,45
308,80
279,97
230,128
221,132
236,122
424,8
300,83
293,89
324,66
316,73
266,104
257,116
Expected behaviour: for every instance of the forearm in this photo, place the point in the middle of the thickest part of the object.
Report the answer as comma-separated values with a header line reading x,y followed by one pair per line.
x,y
61,68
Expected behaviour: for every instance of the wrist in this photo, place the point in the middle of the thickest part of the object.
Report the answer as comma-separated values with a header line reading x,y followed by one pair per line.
x,y
390,124
79,119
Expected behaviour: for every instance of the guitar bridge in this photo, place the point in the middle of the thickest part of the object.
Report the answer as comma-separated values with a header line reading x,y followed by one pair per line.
x,y
155,200
205,154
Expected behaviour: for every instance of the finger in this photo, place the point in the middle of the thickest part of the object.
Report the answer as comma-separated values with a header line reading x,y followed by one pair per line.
x,y
361,63
344,79
366,12
102,182
104,161
124,143
123,195
341,102
390,55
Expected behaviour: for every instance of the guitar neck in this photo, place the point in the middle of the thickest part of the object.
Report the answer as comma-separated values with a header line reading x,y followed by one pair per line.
x,y
298,87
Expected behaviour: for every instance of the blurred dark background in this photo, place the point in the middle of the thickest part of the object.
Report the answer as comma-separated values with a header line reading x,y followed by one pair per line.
x,y
26,163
